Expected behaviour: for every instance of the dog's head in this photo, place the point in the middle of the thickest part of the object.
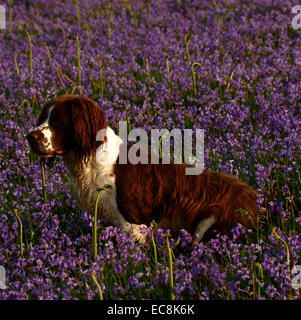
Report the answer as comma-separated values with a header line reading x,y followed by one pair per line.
x,y
68,123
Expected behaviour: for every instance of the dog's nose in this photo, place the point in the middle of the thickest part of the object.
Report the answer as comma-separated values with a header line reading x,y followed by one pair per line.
x,y
32,136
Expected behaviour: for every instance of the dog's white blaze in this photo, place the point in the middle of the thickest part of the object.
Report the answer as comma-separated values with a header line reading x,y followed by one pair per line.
x,y
203,226
45,129
46,122
47,134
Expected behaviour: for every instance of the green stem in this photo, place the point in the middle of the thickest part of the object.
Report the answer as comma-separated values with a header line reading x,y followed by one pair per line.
x,y
77,12
97,285
194,78
16,63
171,282
167,68
187,40
287,256
95,224
21,232
148,71
99,191
48,52
25,101
43,179
30,48
31,232
86,27
160,145
287,252
154,225
11,3
231,77
101,77
109,21
78,62
109,28
259,267
129,124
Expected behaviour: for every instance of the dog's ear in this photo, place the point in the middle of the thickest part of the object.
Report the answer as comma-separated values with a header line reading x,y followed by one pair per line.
x,y
87,120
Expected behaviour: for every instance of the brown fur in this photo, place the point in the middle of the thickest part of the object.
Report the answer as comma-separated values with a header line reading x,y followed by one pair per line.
x,y
165,194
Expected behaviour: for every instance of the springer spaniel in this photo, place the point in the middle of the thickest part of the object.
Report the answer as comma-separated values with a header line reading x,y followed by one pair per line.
x,y
140,193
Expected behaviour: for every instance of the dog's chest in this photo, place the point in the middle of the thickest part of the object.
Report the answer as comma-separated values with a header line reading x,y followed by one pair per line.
x,y
94,176
98,172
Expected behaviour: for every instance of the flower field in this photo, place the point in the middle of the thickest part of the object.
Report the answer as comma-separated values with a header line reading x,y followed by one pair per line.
x,y
229,67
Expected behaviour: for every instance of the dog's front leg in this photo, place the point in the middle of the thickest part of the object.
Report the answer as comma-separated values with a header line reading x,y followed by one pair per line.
x,y
132,228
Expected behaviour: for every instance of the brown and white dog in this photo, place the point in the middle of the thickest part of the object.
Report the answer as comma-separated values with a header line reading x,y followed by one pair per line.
x,y
140,193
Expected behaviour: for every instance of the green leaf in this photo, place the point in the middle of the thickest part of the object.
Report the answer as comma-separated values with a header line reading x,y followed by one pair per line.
x,y
104,187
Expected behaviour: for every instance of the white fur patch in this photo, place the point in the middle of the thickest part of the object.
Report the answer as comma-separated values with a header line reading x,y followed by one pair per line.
x,y
108,152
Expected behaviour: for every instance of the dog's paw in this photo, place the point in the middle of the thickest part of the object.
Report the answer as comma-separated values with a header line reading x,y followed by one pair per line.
x,y
137,235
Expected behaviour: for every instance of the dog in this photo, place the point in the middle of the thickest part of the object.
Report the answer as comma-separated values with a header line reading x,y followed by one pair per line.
x,y
140,193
